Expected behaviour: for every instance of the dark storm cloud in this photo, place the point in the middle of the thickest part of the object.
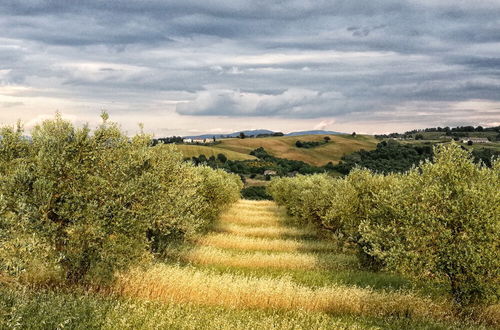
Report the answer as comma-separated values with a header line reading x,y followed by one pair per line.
x,y
489,63
300,59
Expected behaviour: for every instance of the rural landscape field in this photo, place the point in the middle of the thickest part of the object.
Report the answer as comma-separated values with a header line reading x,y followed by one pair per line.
x,y
249,164
284,147
103,231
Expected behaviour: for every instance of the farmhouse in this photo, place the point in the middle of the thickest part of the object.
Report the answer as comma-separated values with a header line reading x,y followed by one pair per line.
x,y
270,172
187,140
475,140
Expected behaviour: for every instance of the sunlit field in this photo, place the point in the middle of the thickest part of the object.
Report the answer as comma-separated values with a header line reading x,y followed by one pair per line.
x,y
255,260
255,271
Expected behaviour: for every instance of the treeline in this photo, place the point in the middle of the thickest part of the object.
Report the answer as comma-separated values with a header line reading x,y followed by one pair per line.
x,y
168,140
456,129
265,161
76,205
455,132
392,156
438,222
389,156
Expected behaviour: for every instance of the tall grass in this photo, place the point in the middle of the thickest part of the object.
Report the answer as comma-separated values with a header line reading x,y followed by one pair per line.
x,y
263,231
58,310
206,255
228,241
170,283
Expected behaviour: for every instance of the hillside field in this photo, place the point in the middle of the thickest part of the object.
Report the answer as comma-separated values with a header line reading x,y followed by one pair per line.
x,y
189,150
284,147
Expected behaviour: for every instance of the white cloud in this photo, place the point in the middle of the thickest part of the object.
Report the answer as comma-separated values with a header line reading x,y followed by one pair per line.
x,y
297,102
324,124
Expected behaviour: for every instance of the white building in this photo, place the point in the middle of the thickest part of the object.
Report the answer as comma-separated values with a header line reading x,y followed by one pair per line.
x,y
475,140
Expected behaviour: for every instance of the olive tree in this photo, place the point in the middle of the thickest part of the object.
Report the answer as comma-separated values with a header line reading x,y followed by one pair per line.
x,y
443,220
87,204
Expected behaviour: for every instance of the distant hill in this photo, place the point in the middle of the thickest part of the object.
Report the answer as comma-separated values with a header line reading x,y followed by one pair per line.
x,y
261,131
314,132
235,134
284,147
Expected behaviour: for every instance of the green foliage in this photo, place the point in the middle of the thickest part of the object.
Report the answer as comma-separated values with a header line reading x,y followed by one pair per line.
x,y
255,193
221,158
310,144
305,197
85,205
285,166
390,156
443,220
485,156
439,221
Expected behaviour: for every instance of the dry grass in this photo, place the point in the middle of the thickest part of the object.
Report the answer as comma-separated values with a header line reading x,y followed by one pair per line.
x,y
253,213
188,285
262,231
206,255
243,218
491,315
284,147
228,241
260,204
188,150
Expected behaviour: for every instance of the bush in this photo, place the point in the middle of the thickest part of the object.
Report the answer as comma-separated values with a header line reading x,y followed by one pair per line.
x,y
82,195
440,220
443,221
255,193
85,205
306,197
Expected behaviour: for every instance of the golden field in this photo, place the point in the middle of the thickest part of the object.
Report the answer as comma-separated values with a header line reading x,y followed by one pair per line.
x,y
284,147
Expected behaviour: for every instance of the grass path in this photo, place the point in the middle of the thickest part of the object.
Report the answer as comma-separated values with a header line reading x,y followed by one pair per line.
x,y
255,259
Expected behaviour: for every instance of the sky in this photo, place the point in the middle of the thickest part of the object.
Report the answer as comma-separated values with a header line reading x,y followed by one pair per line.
x,y
188,67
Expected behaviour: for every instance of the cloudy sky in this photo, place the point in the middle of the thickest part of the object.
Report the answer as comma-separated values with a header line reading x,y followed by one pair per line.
x,y
183,67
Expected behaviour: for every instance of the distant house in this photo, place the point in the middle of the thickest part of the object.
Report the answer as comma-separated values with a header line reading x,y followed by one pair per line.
x,y
187,140
270,172
475,140
198,140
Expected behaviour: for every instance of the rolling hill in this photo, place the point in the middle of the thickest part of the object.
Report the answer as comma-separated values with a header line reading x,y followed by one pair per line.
x,y
234,134
314,132
196,150
284,147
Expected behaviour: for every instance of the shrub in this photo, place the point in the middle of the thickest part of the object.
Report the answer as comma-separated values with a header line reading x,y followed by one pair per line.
x,y
440,220
255,193
306,197
443,221
82,195
86,204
